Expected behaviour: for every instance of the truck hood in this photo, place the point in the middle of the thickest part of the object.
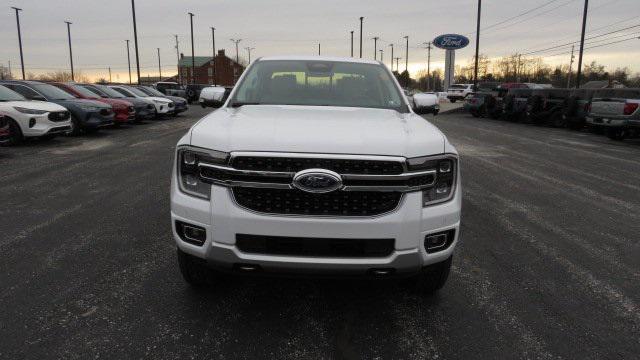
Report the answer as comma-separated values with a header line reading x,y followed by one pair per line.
x,y
313,129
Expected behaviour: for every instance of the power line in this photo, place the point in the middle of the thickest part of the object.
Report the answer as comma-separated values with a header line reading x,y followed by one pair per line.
x,y
515,16
597,46
532,17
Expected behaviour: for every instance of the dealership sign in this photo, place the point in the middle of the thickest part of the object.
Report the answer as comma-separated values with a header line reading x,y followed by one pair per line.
x,y
451,41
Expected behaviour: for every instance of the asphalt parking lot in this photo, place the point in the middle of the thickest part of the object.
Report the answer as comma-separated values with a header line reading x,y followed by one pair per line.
x,y
548,266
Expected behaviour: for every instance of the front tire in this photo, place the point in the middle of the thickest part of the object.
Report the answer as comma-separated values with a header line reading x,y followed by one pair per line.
x,y
75,127
616,134
15,136
433,277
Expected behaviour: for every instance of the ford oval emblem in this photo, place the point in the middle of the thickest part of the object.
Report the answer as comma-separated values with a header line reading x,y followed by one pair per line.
x,y
317,181
451,41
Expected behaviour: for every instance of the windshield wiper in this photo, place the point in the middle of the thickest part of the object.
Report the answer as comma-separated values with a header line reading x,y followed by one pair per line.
x,y
238,104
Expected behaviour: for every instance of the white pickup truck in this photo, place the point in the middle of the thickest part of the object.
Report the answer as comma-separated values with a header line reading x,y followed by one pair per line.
x,y
316,166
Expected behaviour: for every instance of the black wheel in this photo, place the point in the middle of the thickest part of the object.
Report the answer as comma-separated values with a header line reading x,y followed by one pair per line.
x,y
76,129
433,277
616,134
192,270
14,135
558,120
453,101
483,111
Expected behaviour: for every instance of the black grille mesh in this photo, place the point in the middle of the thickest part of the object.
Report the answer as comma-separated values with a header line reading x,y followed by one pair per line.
x,y
297,202
341,166
58,115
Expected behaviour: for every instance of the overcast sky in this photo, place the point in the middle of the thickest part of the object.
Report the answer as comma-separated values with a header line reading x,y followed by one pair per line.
x,y
100,28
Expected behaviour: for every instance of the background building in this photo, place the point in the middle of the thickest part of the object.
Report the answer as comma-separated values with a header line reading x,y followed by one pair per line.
x,y
226,70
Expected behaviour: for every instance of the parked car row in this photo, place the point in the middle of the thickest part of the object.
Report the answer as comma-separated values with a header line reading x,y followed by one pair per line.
x,y
611,111
45,110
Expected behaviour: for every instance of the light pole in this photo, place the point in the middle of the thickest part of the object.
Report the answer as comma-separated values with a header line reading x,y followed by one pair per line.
x,y
159,67
397,62
318,49
406,59
213,46
249,51
237,41
428,64
129,61
351,43
381,56
570,67
375,47
584,25
135,38
391,45
361,21
193,56
19,39
177,58
70,53
475,69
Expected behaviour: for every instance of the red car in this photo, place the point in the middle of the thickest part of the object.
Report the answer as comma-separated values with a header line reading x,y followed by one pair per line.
x,y
123,109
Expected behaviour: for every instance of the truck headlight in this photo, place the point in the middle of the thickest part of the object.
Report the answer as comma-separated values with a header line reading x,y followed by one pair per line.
x,y
445,184
188,159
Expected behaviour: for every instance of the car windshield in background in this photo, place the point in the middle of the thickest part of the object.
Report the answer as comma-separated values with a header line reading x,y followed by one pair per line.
x,y
318,83
7,94
136,91
107,91
83,91
52,93
150,91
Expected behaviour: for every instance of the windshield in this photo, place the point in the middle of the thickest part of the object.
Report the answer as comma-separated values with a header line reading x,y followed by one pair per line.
x,y
107,91
7,94
136,91
83,91
318,83
52,93
150,91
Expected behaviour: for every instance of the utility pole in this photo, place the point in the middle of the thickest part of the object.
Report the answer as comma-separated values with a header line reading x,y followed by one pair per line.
x,y
397,61
237,42
428,65
361,21
391,45
110,76
19,39
570,67
10,73
70,53
584,26
381,56
128,61
375,47
249,51
351,43
213,46
318,49
159,67
475,71
177,57
406,66
518,67
135,38
193,56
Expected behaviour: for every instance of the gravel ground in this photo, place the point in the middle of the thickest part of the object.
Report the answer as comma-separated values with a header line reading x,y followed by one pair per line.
x,y
548,265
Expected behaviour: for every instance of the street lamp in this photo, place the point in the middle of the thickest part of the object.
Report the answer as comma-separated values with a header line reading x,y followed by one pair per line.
x,y
70,53
135,38
19,39
475,70
213,45
351,43
193,55
361,20
236,41
391,45
159,67
249,51
375,47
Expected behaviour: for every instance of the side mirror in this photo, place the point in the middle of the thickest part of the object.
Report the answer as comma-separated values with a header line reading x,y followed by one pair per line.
x,y
213,96
425,104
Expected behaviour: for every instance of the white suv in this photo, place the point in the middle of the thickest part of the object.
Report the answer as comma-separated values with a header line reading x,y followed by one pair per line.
x,y
459,92
316,165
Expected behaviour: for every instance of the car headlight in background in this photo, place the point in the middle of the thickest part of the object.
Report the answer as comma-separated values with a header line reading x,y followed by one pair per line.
x,y
188,158
446,172
30,111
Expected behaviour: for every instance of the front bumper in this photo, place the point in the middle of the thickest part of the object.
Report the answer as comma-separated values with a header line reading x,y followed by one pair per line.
x,y
95,120
223,219
163,108
180,108
42,125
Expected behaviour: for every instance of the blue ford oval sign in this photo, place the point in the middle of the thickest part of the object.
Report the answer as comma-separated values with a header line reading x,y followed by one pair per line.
x,y
451,41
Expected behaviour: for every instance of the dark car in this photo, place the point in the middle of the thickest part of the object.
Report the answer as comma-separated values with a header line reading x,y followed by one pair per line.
x,y
193,91
144,108
180,103
577,108
545,106
123,109
5,132
86,115
515,104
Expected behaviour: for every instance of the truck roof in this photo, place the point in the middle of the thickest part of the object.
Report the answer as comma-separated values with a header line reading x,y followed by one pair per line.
x,y
319,58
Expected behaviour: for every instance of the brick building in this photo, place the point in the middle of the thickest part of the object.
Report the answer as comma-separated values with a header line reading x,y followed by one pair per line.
x,y
227,70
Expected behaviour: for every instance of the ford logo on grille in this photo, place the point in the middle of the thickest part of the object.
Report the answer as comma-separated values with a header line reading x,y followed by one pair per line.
x,y
317,181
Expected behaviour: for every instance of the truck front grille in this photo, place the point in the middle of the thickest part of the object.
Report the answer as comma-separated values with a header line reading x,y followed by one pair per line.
x,y
318,247
341,166
297,202
58,116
